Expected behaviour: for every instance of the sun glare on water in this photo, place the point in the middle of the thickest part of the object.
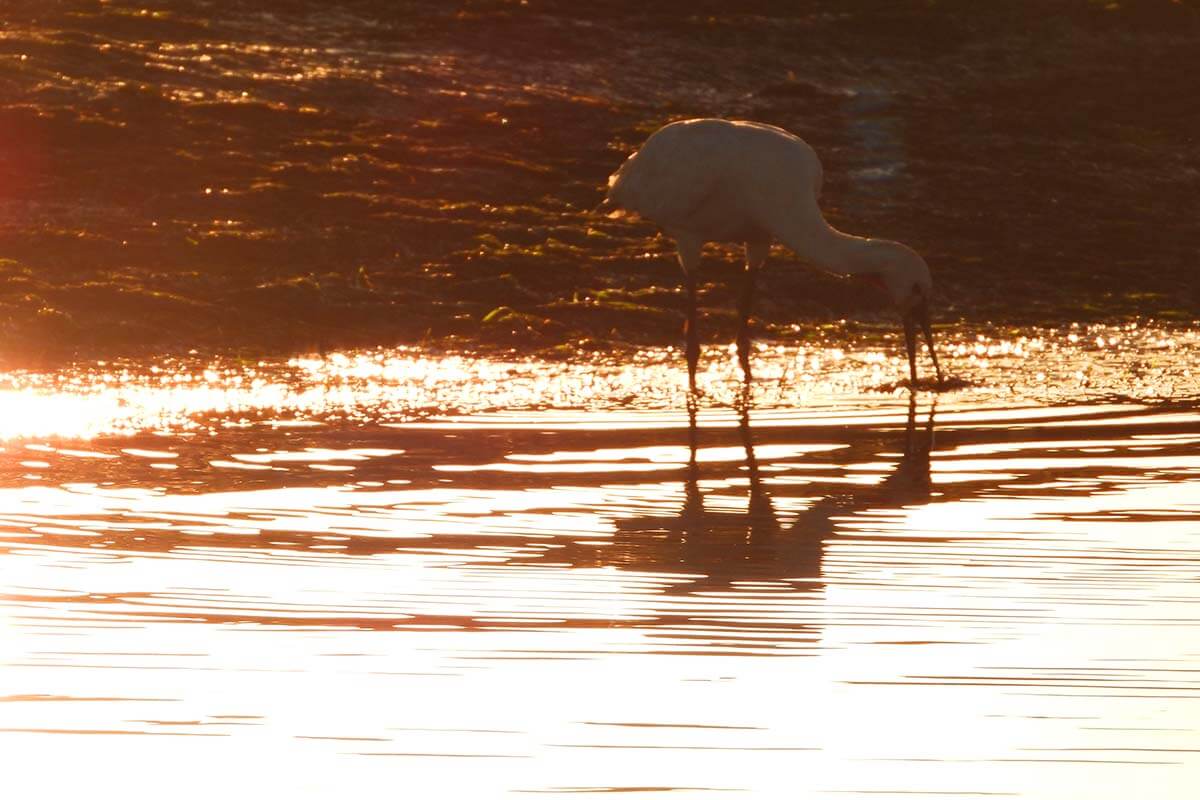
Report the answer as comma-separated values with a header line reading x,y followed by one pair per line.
x,y
385,553
407,384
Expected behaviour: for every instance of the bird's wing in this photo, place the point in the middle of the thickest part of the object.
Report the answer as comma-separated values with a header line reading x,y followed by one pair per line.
x,y
669,178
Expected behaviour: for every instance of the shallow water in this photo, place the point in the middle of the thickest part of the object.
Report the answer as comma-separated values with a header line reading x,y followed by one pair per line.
x,y
383,572
294,174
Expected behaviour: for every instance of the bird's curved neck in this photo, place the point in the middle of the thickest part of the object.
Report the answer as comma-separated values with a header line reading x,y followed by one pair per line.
x,y
832,250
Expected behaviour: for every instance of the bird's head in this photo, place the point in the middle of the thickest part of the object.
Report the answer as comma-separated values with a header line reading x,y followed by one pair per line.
x,y
898,270
904,276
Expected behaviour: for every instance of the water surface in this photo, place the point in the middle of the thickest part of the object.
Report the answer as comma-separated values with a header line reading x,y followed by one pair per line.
x,y
294,174
324,579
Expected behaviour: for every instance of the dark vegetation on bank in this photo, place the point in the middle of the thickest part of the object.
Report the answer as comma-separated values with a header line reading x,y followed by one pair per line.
x,y
283,175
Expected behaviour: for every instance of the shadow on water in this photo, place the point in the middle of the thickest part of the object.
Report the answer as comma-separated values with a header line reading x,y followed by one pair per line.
x,y
723,547
472,492
670,521
1026,589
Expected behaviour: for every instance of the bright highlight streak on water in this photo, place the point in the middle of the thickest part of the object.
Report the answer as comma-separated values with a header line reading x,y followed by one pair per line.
x,y
483,578
1094,363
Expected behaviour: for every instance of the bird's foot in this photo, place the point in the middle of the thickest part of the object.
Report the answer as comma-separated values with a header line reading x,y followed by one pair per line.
x,y
948,383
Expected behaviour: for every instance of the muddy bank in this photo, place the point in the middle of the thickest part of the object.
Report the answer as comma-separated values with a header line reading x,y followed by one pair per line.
x,y
293,175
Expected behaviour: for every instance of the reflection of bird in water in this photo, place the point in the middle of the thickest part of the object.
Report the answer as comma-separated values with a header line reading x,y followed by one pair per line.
x,y
720,547
710,541
907,484
712,180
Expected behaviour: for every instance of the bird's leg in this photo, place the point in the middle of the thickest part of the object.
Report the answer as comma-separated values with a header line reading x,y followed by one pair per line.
x,y
689,259
693,501
745,299
911,427
928,331
693,338
756,254
910,342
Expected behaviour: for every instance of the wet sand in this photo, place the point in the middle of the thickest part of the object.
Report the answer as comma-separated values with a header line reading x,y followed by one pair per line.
x,y
566,586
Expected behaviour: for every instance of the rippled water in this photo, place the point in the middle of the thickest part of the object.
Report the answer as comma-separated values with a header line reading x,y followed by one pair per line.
x,y
420,573
381,573
281,175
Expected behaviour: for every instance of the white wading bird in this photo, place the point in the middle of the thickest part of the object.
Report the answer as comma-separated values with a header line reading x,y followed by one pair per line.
x,y
713,180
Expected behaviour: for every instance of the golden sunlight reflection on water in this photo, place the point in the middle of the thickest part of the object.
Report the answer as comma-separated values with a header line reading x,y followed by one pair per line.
x,y
362,573
1069,365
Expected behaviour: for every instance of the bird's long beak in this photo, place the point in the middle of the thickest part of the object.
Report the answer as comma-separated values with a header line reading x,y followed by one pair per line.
x,y
919,313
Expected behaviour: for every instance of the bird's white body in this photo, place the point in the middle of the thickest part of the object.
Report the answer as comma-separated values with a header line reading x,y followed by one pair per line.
x,y
715,180
726,181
